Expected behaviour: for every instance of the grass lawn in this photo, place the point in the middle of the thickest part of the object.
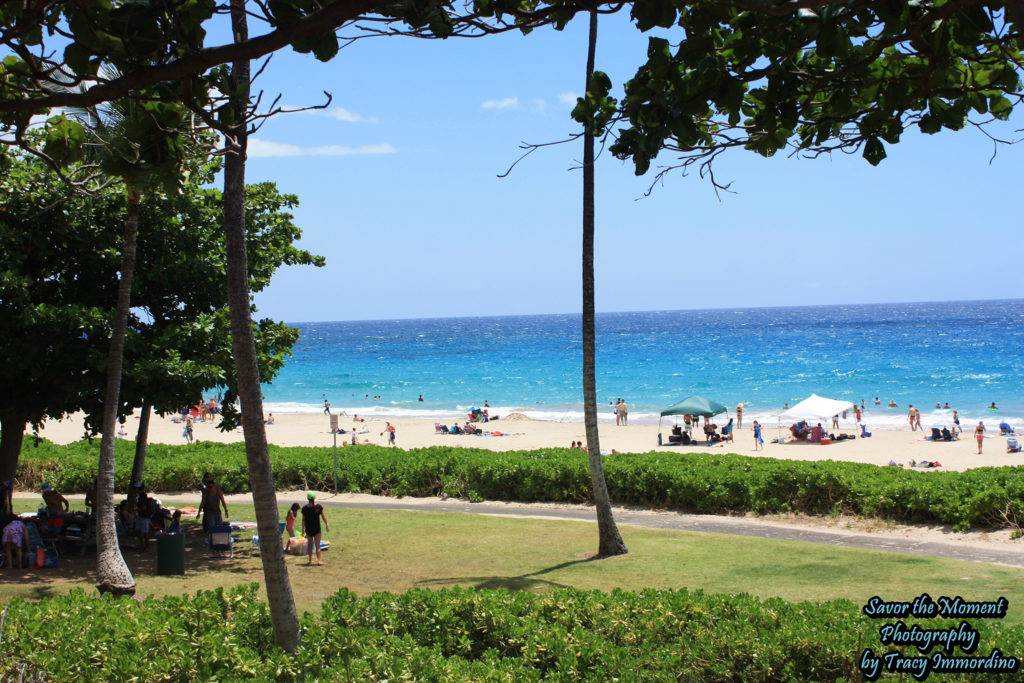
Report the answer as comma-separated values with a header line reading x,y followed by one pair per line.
x,y
394,551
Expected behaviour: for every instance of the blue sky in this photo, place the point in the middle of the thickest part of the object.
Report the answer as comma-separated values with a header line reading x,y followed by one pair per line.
x,y
399,191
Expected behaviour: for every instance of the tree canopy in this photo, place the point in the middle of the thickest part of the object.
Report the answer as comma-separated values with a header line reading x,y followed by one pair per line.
x,y
60,255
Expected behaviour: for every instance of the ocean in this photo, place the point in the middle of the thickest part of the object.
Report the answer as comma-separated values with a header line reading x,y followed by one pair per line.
x,y
968,354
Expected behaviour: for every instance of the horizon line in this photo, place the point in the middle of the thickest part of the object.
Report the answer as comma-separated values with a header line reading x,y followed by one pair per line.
x,y
660,310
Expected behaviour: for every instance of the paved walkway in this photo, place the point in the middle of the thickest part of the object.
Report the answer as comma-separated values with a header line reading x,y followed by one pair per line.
x,y
627,516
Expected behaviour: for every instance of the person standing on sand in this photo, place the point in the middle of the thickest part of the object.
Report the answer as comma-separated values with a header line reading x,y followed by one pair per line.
x,y
910,417
618,417
739,414
624,412
917,419
312,513
758,441
979,434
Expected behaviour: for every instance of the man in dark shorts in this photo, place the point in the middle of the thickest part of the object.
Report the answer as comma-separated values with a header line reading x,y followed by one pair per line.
x,y
312,513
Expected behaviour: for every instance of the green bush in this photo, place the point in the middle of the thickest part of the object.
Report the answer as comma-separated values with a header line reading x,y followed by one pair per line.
x,y
708,483
454,635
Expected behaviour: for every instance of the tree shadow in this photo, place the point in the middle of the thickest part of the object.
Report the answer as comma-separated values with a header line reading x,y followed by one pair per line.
x,y
522,582
75,570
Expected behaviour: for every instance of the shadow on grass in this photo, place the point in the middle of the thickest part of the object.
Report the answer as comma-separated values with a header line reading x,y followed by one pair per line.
x,y
76,570
522,582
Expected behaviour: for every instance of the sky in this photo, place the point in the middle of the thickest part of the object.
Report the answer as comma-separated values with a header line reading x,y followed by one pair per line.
x,y
399,190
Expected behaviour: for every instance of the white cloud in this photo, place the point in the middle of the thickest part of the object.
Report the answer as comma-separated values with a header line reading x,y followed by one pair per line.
x,y
342,114
507,103
568,98
337,113
263,149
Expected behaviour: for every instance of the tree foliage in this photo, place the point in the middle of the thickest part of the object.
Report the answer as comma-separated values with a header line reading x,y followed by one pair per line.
x,y
58,266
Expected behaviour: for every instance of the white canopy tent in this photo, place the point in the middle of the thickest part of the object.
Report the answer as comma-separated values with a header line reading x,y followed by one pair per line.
x,y
816,408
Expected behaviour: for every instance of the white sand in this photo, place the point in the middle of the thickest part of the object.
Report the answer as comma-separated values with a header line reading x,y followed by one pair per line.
x,y
900,445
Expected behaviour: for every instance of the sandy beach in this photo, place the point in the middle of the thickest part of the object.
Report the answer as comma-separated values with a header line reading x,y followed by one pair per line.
x,y
522,433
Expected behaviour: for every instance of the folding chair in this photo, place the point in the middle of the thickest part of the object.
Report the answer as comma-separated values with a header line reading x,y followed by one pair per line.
x,y
36,540
221,545
85,536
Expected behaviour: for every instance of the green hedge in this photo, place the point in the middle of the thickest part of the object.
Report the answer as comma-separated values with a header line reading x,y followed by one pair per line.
x,y
985,497
455,635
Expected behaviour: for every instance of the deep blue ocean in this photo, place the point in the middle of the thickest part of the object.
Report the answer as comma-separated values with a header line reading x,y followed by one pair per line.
x,y
969,354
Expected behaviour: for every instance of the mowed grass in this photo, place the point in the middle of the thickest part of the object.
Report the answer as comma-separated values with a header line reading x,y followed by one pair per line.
x,y
376,550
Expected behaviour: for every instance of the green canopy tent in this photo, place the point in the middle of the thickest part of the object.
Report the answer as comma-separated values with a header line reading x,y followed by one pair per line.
x,y
694,405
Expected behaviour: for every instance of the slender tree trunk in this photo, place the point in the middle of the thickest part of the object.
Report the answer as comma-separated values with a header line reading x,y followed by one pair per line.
x,y
609,540
275,571
141,443
112,574
12,424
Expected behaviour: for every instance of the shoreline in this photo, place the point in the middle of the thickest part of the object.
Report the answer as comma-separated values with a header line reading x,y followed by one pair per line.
x,y
522,433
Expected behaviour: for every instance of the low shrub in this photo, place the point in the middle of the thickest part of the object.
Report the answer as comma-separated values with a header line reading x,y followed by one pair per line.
x,y
984,497
455,634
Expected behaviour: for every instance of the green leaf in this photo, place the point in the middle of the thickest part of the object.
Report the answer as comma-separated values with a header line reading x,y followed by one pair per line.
x,y
874,151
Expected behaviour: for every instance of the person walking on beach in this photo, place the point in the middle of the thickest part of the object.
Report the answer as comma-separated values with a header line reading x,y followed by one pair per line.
x,y
910,417
327,407
390,429
979,434
758,441
312,513
623,411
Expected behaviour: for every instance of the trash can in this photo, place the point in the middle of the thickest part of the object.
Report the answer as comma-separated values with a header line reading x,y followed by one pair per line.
x,y
170,554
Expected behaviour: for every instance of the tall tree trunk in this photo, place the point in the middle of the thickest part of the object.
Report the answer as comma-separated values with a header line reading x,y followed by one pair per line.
x,y
141,443
112,574
12,424
609,540
275,571
12,434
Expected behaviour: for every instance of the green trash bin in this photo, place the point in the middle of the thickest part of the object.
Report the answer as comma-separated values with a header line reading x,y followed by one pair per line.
x,y
170,554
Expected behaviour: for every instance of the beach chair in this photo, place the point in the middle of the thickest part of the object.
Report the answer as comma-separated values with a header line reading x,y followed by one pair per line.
x,y
864,433
439,428
220,544
1012,446
36,540
936,434
1006,429
84,536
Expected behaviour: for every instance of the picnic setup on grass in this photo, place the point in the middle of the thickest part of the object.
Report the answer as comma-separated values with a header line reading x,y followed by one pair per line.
x,y
56,534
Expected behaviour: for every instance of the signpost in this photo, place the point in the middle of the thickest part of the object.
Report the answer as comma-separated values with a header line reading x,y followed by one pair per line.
x,y
334,433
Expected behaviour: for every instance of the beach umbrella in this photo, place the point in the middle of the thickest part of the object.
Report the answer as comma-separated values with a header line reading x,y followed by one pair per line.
x,y
694,405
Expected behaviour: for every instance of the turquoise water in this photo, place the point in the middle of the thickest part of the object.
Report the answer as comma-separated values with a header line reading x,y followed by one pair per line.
x,y
969,354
